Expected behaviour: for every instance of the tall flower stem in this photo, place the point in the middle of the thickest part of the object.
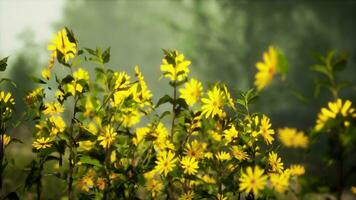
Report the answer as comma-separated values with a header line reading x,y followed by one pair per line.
x,y
72,156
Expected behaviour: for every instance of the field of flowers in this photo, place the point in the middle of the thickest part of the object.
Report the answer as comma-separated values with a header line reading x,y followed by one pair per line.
x,y
103,136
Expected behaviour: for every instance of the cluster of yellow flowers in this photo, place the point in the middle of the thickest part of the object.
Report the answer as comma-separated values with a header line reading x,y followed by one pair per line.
x,y
336,110
117,139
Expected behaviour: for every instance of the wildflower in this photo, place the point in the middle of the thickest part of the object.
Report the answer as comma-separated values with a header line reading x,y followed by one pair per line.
x,y
230,134
239,154
107,137
81,74
353,189
86,183
34,96
85,145
100,183
129,117
297,170
230,101
279,182
215,135
192,92
154,186
165,162
335,109
53,108
140,135
61,43
57,125
290,137
73,88
265,130
189,164
42,143
174,66
6,98
266,69
275,162
221,197
195,149
122,81
207,179
187,195
141,93
46,74
6,139
212,105
223,156
252,180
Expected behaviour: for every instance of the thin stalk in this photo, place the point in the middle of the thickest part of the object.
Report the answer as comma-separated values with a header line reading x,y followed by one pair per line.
x,y
71,158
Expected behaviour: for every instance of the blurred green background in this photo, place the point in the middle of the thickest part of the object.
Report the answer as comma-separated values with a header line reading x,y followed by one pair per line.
x,y
223,38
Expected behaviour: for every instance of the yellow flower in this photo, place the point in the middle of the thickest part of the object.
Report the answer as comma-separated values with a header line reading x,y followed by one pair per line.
x,y
239,154
6,98
86,183
6,138
230,134
42,143
140,135
73,88
81,74
187,196
230,101
165,162
215,135
252,180
335,109
61,43
279,182
189,164
34,95
122,81
129,117
174,66
154,186
57,125
353,189
107,137
89,107
265,130
192,92
53,108
296,170
195,149
46,74
223,156
266,69
85,145
290,137
141,93
221,197
275,162
100,183
213,103
207,179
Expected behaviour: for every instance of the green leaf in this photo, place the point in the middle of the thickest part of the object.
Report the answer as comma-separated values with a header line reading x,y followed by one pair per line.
x,y
38,80
340,63
321,69
90,161
283,65
3,64
9,81
106,55
166,98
